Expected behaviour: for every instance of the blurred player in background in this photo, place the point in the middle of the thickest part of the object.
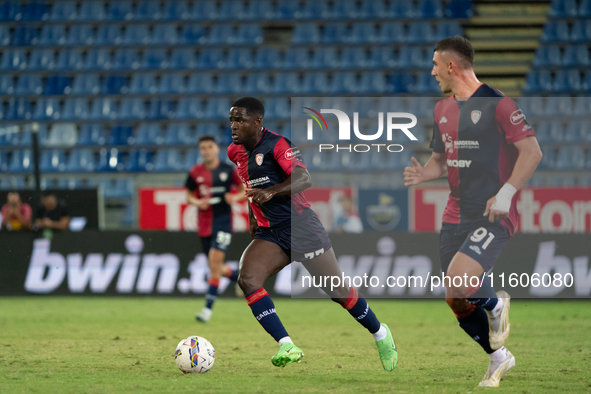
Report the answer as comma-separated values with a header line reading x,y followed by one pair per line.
x,y
16,215
285,229
481,213
209,187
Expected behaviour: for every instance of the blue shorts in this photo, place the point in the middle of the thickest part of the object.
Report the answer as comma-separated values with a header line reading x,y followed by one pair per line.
x,y
219,239
302,240
483,241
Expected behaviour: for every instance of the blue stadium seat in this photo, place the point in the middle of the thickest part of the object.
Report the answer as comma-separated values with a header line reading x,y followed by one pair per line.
x,y
120,10
316,9
121,135
201,83
150,10
70,184
26,137
36,12
10,11
335,32
585,8
110,160
62,134
459,9
41,59
132,109
24,36
563,8
426,83
222,34
420,32
191,158
570,158
47,108
305,33
18,109
81,35
325,58
115,84
232,9
137,34
9,135
4,35
392,32
249,34
267,58
193,34
375,9
578,131
288,9
548,55
176,10
582,106
400,83
372,82
189,109
52,161
29,84
149,134
183,58
558,106
69,59
229,83
448,29
204,10
240,58
21,160
576,55
58,84
125,59
172,83
279,108
555,31
80,160
343,82
139,160
168,160
402,9
211,58
92,134
76,109
567,80
14,59
422,108
165,34
6,84
207,128
430,9
413,57
162,109
109,34
354,58
363,32
286,82
5,182
561,180
104,108
180,134
581,30
258,83
53,35
296,58
538,80
315,82
217,108
143,83
86,84
345,9
550,132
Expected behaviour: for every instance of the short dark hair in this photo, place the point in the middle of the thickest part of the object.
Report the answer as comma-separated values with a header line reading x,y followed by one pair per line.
x,y
205,138
460,46
253,106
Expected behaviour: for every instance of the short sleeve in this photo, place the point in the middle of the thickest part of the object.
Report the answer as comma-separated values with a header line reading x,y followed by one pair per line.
x,y
511,121
287,156
235,178
436,143
190,183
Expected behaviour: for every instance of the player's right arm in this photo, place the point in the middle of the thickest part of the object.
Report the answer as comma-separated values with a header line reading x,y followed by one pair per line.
x,y
435,168
190,187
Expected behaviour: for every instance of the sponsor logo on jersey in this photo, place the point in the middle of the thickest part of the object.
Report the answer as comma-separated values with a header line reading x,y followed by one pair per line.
x,y
516,117
443,120
475,116
448,142
466,144
459,163
291,153
258,181
223,176
476,249
259,158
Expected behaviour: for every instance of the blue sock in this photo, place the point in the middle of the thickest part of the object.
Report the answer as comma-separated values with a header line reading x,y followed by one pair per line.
x,y
358,308
264,310
232,274
476,325
485,296
212,293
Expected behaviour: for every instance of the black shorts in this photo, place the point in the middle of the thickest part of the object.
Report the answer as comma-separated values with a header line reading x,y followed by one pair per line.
x,y
303,240
219,239
483,241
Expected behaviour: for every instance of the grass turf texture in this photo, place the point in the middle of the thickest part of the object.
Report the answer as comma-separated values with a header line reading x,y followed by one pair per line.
x,y
107,345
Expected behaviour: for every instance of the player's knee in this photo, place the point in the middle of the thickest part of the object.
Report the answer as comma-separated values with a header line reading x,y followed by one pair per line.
x,y
248,283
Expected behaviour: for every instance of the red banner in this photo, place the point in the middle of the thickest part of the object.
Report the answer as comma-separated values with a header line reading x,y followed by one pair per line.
x,y
542,210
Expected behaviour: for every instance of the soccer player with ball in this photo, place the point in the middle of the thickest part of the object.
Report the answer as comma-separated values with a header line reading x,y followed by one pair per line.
x,y
484,144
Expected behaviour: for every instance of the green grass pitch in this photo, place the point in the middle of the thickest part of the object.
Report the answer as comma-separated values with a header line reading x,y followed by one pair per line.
x,y
122,345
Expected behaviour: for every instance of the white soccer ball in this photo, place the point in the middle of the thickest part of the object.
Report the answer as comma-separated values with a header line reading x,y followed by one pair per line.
x,y
194,355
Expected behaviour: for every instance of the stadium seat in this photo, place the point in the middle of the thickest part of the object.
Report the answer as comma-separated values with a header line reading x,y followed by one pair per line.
x,y
239,58
548,159
110,160
561,181
430,9
115,84
165,34
47,108
120,10
249,34
53,35
21,161
316,9
558,106
149,134
29,84
6,84
207,128
325,58
176,10
343,82
191,158
168,160
412,57
9,135
363,32
567,80
137,34
400,83
125,59
189,109
10,11
86,84
26,137
229,83
426,83
81,160
563,8
287,82
92,10
585,8
372,82
581,30
444,30
402,9
172,83
4,35
538,80
18,109
267,58
24,36
296,58
80,35
121,135
204,10
548,55
211,58
392,32
354,58
53,160
14,59
288,9
201,83
92,134
259,10
104,108
578,131
180,134
109,34
139,160
420,32
76,109
570,158
279,108
183,58
232,9
133,109
422,107
459,9
58,84
143,83
315,82
41,59
69,59
258,83
587,81
193,34
375,9
150,10
345,9
36,12
222,34
576,55
555,31
217,108
161,109
335,32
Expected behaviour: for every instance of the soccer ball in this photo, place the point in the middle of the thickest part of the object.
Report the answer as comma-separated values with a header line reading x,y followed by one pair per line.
x,y
194,355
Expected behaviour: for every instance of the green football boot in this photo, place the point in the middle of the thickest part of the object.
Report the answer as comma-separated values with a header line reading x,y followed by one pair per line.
x,y
287,354
387,351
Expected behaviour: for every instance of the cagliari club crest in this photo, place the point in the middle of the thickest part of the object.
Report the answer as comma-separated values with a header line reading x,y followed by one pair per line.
x,y
223,176
259,158
475,116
